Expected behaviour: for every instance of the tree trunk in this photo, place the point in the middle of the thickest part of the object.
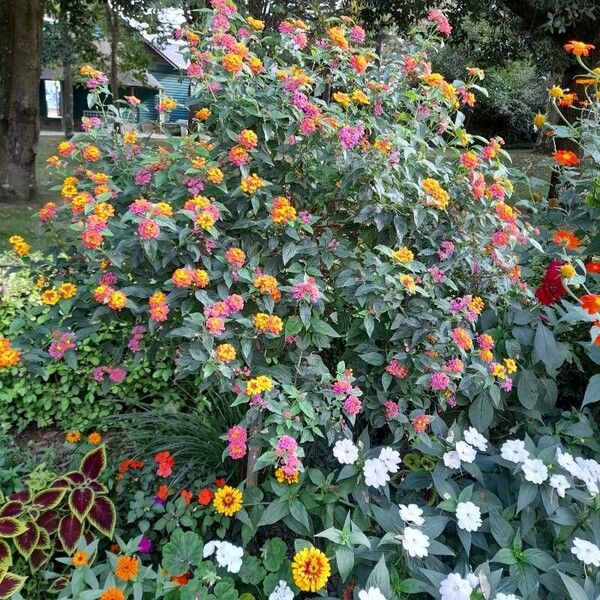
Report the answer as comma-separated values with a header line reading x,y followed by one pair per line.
x,y
112,18
20,69
66,92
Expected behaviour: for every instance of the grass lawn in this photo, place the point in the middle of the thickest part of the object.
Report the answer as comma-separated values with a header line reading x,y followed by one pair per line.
x,y
19,219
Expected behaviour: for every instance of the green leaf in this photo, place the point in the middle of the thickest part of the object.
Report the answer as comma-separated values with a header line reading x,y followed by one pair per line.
x,y
344,558
546,348
538,558
500,528
592,392
575,591
372,358
273,513
527,494
527,389
323,328
505,556
274,551
182,551
481,413
380,578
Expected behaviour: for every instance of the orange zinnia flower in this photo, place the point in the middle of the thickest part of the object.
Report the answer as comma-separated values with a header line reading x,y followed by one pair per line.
x,y
566,158
590,303
578,48
562,237
127,567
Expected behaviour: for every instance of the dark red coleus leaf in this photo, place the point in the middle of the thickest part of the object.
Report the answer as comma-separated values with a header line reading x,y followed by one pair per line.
x,y
37,559
97,487
44,542
11,509
5,555
59,584
103,516
80,502
27,541
10,527
49,498
23,496
10,584
61,482
94,462
70,529
75,477
49,521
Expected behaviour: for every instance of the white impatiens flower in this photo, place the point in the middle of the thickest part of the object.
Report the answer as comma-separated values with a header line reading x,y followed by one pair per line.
x,y
411,514
560,483
282,592
415,542
589,473
474,438
501,596
465,452
375,472
345,451
454,587
565,460
390,458
586,552
534,470
468,516
228,555
372,593
514,451
452,459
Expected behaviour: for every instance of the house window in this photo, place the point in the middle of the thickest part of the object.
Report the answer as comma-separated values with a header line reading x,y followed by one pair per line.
x,y
53,98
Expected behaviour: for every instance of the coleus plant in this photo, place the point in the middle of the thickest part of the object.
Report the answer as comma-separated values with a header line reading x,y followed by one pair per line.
x,y
37,524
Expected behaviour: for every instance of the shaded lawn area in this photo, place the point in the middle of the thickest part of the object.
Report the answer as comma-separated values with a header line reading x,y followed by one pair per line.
x,y
21,220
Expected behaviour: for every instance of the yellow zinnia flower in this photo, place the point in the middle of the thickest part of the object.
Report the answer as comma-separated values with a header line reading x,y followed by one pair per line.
x,y
228,500
310,569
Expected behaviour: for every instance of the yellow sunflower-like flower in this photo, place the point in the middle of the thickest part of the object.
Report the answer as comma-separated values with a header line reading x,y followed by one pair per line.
x,y
310,569
228,500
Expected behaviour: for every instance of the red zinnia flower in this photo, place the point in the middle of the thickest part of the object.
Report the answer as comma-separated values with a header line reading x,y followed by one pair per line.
x,y
593,267
590,303
551,289
187,496
206,496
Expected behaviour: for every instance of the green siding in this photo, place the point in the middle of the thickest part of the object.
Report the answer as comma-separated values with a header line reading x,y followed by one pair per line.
x,y
176,89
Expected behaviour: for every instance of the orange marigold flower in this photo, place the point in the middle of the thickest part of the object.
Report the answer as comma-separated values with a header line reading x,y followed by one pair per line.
x,y
94,438
113,593
73,437
562,237
80,558
566,158
578,48
127,567
590,303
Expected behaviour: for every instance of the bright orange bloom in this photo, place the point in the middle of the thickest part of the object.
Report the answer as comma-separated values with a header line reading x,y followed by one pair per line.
x,y
94,438
590,303
566,158
578,48
127,567
80,559
113,593
73,437
593,267
205,496
562,237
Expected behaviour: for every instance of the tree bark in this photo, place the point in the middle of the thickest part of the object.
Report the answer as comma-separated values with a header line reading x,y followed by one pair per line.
x,y
66,94
113,25
20,69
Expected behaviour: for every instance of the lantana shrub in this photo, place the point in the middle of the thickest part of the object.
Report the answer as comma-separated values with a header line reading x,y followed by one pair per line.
x,y
330,245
